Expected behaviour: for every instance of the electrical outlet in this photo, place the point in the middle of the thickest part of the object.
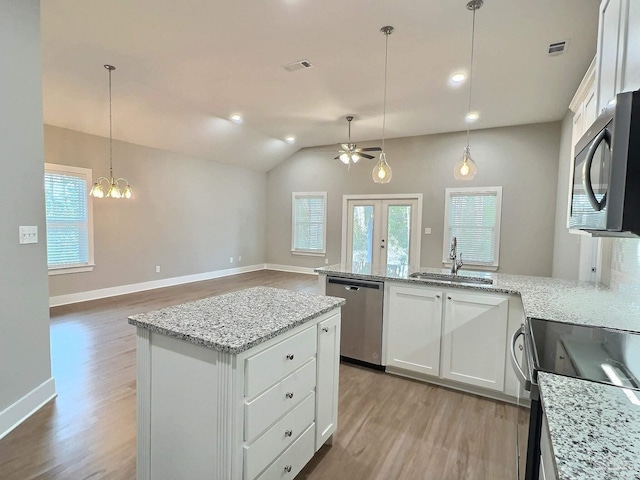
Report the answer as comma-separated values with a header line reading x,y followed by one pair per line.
x,y
239,258
326,261
231,260
157,268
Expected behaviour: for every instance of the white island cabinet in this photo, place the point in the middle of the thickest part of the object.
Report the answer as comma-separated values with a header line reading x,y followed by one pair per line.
x,y
237,387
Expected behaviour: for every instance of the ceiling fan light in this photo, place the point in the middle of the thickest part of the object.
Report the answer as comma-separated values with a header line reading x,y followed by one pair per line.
x,y
355,157
382,171
344,158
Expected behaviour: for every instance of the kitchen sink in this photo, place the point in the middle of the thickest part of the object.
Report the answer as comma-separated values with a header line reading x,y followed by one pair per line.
x,y
452,278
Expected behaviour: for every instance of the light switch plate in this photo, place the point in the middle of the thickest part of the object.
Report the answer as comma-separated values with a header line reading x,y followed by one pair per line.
x,y
28,234
427,231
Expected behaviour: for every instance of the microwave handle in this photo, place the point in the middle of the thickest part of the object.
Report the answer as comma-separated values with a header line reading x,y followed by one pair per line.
x,y
586,170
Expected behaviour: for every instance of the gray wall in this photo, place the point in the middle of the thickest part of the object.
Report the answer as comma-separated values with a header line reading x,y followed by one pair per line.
x,y
566,246
189,215
24,314
521,159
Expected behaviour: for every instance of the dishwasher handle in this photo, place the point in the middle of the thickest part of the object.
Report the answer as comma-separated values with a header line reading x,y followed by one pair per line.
x,y
355,285
351,287
526,382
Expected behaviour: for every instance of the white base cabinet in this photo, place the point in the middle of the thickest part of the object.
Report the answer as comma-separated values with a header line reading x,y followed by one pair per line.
x,y
414,323
263,413
474,339
452,336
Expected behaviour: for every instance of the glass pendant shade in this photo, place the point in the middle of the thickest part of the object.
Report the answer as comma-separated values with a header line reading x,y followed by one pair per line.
x,y
127,193
114,190
466,168
96,191
382,171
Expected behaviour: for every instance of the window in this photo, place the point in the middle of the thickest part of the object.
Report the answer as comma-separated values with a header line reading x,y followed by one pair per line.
x,y
69,219
309,221
472,215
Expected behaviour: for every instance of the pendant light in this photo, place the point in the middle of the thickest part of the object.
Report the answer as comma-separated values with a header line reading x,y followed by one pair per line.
x,y
466,168
111,184
382,171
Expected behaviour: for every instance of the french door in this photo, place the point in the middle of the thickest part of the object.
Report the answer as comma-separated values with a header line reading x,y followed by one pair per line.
x,y
381,232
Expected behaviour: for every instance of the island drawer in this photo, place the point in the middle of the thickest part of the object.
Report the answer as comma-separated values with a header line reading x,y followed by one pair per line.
x,y
294,458
275,440
268,366
265,409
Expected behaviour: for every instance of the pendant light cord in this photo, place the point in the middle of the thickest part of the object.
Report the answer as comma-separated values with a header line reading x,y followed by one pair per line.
x,y
110,131
384,101
473,34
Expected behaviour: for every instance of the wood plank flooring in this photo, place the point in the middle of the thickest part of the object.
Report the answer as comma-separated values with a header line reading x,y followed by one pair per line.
x,y
389,427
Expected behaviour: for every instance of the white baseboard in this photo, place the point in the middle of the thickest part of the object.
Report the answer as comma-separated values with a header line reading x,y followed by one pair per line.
x,y
140,287
15,414
289,268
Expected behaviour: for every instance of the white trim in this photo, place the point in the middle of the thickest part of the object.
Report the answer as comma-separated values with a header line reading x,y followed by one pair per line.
x,y
388,196
294,196
19,411
445,240
65,270
308,254
585,86
289,268
140,287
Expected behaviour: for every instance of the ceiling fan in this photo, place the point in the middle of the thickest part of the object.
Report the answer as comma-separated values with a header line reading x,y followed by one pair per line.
x,y
350,152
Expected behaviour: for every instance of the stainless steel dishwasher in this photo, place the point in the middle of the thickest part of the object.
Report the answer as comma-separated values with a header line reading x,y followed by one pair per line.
x,y
361,331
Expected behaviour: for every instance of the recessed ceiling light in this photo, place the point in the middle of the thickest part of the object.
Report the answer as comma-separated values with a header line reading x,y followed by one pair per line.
x,y
472,116
236,118
458,77
290,139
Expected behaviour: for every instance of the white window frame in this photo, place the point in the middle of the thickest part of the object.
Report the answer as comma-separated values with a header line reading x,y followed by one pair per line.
x,y
446,243
312,253
88,175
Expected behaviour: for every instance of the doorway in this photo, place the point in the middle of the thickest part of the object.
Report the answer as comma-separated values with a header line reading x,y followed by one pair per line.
x,y
382,232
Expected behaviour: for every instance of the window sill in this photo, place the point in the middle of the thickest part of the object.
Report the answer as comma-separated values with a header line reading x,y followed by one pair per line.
x,y
309,254
65,270
472,266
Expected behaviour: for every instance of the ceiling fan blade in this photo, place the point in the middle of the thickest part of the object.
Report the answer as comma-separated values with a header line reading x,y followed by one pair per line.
x,y
364,155
370,149
337,158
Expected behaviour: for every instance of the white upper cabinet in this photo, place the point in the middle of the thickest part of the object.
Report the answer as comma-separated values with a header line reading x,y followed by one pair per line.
x,y
618,54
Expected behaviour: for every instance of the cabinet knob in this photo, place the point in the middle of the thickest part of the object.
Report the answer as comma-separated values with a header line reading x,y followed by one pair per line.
x,y
290,356
449,298
325,329
289,394
437,296
561,357
287,468
288,433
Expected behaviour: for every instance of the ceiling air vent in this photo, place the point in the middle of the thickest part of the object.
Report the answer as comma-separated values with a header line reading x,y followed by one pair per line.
x,y
299,65
557,48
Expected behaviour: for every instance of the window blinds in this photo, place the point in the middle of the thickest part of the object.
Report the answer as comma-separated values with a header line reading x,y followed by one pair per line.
x,y
309,223
472,220
67,219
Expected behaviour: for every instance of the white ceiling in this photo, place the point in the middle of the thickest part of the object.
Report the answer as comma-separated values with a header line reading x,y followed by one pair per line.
x,y
184,67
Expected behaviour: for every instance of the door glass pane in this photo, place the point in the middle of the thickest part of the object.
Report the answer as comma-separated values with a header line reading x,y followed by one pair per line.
x,y
362,246
398,234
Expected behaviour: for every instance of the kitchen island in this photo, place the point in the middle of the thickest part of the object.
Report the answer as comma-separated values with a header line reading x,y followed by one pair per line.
x,y
593,430
239,386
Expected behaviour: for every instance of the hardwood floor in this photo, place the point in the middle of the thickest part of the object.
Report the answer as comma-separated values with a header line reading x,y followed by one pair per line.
x,y
389,427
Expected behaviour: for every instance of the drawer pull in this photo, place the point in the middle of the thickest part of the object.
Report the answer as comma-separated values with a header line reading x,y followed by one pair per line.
x,y
288,433
290,356
289,394
325,329
287,468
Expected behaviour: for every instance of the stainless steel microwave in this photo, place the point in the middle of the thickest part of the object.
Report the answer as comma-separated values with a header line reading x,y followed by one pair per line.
x,y
605,198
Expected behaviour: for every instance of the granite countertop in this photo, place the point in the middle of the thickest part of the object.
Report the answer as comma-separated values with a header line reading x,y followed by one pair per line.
x,y
594,428
237,321
568,301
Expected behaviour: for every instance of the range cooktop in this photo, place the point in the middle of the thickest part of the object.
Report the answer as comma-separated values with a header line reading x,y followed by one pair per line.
x,y
591,353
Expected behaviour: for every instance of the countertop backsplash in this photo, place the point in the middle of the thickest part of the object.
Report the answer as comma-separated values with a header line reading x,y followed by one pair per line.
x,y
625,266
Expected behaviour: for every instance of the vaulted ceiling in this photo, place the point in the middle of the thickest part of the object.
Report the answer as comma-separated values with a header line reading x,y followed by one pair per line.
x,y
184,67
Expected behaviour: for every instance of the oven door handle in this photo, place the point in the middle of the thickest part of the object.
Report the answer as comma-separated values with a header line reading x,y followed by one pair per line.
x,y
514,360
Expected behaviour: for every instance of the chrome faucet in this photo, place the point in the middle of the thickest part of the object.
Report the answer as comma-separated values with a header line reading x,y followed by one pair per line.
x,y
456,263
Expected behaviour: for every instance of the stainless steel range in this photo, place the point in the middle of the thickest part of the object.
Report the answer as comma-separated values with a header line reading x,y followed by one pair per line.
x,y
592,353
